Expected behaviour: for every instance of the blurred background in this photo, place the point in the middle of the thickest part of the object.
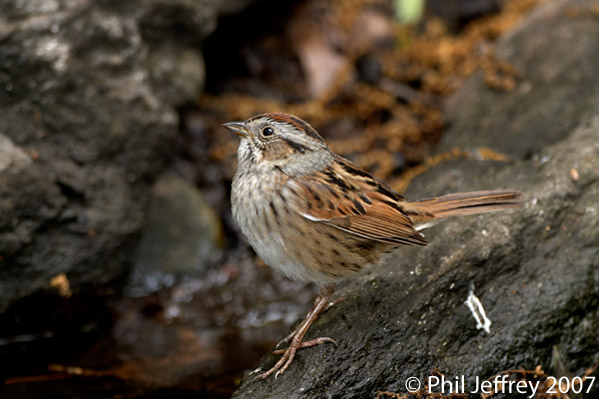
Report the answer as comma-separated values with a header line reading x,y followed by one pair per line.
x,y
122,273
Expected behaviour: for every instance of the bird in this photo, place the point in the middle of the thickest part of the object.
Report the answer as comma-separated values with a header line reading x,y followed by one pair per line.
x,y
317,217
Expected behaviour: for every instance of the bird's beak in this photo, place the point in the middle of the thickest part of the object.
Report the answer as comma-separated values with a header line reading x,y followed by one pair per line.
x,y
238,128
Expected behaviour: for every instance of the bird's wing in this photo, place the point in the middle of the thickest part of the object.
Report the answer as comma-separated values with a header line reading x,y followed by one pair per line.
x,y
349,198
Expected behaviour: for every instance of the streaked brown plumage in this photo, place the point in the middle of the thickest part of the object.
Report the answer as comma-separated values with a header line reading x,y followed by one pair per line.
x,y
315,216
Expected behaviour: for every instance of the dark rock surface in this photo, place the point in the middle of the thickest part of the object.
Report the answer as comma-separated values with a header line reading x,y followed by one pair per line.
x,y
557,56
535,270
88,97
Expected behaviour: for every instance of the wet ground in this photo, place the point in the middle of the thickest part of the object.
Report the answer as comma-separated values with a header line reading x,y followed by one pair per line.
x,y
195,337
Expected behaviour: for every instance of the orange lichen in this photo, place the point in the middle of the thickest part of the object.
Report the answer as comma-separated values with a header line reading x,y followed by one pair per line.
x,y
61,283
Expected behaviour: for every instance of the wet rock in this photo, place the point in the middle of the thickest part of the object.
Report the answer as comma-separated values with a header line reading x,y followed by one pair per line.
x,y
534,270
88,90
181,235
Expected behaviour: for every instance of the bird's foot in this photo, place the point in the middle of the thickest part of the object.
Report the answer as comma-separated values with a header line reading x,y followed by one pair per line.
x,y
321,304
289,354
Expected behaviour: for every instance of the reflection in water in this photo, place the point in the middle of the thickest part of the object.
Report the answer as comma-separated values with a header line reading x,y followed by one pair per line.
x,y
200,335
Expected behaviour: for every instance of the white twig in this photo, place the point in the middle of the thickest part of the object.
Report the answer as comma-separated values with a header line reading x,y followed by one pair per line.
x,y
478,312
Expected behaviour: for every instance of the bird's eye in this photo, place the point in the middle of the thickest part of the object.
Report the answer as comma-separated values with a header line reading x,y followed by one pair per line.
x,y
268,131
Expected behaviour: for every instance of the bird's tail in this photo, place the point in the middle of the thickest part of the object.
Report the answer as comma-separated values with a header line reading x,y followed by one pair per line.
x,y
425,213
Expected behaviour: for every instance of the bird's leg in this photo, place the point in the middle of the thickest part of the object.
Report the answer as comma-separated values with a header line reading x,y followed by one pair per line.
x,y
321,304
328,305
